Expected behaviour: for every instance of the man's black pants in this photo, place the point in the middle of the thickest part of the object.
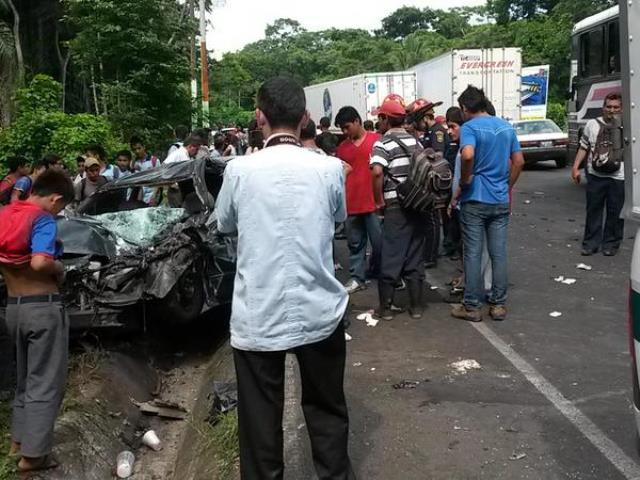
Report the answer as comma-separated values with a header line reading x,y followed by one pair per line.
x,y
261,403
432,239
404,235
603,193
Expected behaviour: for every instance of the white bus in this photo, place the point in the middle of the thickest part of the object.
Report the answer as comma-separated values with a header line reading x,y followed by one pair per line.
x,y
595,69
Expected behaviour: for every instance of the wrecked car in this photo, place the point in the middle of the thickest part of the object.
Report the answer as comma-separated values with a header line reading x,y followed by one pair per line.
x,y
126,261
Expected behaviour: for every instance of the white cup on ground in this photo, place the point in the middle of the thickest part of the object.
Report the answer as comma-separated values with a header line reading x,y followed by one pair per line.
x,y
125,463
151,440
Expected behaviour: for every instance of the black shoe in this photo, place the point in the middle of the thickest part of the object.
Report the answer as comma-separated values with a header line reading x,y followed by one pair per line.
x,y
587,252
609,252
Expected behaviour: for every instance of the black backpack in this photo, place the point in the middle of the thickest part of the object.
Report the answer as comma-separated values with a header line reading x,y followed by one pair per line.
x,y
429,182
607,153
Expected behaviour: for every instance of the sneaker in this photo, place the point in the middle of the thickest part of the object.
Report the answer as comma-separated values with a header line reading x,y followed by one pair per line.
x,y
609,252
587,252
401,285
354,286
464,313
416,313
498,312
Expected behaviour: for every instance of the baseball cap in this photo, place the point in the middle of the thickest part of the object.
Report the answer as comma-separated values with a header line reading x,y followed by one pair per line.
x,y
90,162
393,105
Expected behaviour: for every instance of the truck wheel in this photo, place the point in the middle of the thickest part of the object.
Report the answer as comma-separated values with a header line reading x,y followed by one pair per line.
x,y
184,302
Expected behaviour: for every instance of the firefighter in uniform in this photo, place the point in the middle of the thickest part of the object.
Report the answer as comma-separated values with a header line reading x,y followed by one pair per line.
x,y
421,123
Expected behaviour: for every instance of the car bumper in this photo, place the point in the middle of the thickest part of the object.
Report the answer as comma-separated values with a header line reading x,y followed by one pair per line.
x,y
538,154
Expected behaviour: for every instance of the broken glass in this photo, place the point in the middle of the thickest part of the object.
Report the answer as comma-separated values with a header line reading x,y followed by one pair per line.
x,y
140,227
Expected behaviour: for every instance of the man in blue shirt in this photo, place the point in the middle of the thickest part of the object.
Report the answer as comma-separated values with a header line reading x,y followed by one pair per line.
x,y
491,162
284,202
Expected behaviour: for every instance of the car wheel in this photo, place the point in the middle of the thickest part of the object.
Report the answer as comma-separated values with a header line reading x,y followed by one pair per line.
x,y
184,302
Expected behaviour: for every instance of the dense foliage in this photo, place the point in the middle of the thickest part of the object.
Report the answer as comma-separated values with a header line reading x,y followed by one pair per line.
x,y
40,127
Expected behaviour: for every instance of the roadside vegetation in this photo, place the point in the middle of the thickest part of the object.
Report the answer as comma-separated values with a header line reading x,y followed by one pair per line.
x,y
220,441
7,464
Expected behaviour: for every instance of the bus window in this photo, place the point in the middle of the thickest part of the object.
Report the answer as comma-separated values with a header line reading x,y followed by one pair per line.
x,y
591,48
613,57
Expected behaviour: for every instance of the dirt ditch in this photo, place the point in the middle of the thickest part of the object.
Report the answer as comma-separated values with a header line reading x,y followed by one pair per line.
x,y
110,374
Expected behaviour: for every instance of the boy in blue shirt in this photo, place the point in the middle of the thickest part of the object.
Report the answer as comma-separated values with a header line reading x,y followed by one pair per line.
x,y
491,164
35,316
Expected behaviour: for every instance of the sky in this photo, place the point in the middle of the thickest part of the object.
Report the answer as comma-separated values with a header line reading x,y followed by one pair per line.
x,y
240,22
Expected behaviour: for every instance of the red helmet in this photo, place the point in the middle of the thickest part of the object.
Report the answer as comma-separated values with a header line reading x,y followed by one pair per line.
x,y
422,103
393,106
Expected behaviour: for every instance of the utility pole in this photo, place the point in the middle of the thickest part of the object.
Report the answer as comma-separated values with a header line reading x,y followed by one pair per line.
x,y
204,65
194,82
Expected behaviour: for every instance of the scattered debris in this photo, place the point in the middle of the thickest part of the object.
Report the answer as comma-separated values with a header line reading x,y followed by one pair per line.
x,y
347,337
373,369
162,409
224,398
566,281
583,266
151,440
433,287
527,202
555,314
357,364
406,384
538,193
124,463
454,444
511,430
368,317
463,366
517,456
338,267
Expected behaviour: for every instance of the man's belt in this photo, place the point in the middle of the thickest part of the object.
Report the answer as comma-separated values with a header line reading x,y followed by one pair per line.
x,y
50,298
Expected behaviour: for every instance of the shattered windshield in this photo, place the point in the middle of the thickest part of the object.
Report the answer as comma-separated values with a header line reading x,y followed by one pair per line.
x,y
140,227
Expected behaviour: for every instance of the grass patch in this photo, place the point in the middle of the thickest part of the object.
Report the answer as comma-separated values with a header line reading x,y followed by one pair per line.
x,y
221,440
83,369
7,465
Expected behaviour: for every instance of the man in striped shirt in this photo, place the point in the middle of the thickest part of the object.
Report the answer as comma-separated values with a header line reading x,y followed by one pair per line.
x,y
403,235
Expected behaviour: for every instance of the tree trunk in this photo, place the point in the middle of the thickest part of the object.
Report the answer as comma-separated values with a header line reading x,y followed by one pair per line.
x,y
16,40
64,64
95,92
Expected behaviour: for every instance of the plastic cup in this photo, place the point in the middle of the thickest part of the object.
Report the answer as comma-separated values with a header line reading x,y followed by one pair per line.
x,y
125,462
151,440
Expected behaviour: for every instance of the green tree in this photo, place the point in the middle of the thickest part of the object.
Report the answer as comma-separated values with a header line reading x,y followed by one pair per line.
x,y
133,55
40,127
405,21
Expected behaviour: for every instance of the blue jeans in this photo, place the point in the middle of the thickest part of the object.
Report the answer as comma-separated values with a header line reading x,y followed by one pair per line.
x,y
360,228
478,219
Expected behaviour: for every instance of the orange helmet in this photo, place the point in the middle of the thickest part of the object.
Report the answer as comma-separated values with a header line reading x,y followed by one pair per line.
x,y
393,105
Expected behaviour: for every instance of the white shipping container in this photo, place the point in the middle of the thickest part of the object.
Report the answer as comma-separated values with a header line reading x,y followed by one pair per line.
x,y
364,92
496,70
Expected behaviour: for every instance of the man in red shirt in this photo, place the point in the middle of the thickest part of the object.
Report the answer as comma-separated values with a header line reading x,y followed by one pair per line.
x,y
363,222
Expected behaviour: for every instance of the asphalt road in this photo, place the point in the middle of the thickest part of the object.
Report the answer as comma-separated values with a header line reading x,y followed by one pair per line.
x,y
551,398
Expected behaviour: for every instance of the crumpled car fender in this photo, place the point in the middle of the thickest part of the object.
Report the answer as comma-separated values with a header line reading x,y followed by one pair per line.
x,y
161,277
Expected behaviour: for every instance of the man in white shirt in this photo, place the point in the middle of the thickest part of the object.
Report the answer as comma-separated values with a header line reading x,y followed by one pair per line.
x,y
185,152
605,190
284,202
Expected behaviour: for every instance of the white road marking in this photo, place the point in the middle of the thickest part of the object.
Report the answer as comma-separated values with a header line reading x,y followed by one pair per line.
x,y
627,466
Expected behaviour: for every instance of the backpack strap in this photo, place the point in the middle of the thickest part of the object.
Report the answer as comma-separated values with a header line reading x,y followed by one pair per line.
x,y
406,150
